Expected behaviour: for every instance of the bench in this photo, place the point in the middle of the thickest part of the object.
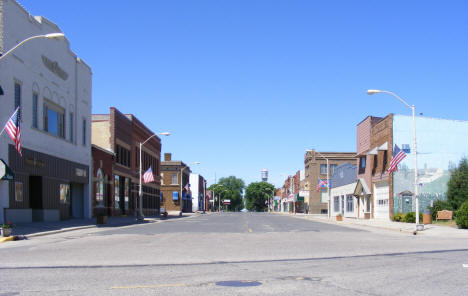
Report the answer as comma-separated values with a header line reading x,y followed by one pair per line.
x,y
444,215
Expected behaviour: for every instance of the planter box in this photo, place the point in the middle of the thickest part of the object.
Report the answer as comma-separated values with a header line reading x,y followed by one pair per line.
x,y
339,218
6,232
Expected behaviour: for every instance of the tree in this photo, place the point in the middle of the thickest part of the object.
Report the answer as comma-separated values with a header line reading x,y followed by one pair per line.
x,y
230,188
257,195
457,191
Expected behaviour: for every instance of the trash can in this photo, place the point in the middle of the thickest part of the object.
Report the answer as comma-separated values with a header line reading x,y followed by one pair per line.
x,y
427,218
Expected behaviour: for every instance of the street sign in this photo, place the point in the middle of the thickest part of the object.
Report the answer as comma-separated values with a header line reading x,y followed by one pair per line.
x,y
227,201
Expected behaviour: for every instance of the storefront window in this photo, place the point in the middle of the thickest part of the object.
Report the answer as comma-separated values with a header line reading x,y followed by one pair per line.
x,y
116,192
18,191
99,189
127,193
64,193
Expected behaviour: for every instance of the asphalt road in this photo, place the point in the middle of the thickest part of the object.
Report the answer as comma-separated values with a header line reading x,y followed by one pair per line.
x,y
232,254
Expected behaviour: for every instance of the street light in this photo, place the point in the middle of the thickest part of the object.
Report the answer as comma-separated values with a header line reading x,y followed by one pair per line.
x,y
328,179
181,185
46,36
416,191
140,191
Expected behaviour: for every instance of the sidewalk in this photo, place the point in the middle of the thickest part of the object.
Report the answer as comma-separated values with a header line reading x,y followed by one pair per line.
x,y
429,229
27,230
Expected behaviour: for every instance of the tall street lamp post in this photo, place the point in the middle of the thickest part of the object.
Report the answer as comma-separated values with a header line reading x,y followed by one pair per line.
x,y
46,36
140,190
328,180
416,189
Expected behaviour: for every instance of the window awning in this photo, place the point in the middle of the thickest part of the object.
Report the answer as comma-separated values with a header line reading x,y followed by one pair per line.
x,y
6,173
384,146
372,152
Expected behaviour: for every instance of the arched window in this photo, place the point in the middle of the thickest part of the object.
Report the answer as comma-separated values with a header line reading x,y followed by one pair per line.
x,y
99,189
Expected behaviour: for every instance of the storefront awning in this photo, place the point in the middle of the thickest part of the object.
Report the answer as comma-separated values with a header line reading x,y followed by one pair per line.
x,y
6,173
384,146
372,152
361,188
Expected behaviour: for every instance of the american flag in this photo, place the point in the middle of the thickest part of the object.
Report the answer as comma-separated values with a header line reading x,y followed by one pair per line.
x,y
398,156
321,184
12,127
148,176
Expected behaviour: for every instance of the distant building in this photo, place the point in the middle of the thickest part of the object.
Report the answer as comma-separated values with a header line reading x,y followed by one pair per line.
x,y
316,169
198,191
122,134
52,87
175,176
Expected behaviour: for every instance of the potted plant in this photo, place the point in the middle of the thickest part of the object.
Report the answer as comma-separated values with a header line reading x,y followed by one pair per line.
x,y
339,217
6,229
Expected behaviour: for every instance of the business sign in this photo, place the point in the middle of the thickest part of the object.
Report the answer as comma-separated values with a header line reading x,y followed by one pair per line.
x,y
227,201
6,173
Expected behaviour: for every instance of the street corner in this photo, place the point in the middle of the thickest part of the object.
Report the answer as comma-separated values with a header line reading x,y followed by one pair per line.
x,y
8,239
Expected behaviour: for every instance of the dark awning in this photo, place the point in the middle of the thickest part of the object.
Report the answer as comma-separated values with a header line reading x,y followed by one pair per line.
x,y
6,173
361,188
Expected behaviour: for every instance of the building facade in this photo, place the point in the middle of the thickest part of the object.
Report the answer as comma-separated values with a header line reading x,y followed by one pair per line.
x,y
52,87
175,193
103,181
343,185
198,192
122,134
315,170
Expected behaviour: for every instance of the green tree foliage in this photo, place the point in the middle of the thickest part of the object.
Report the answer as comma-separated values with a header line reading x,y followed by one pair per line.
x,y
457,191
256,194
229,188
462,216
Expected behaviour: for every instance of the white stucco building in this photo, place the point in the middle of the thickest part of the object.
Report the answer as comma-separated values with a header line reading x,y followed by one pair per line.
x,y
197,188
52,86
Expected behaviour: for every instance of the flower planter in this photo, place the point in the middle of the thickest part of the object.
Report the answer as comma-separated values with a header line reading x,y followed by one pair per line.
x,y
6,232
339,218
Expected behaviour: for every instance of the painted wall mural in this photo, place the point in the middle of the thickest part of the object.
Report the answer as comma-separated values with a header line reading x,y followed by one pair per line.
x,y
441,144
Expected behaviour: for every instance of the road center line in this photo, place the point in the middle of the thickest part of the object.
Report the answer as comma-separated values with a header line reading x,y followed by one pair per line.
x,y
149,287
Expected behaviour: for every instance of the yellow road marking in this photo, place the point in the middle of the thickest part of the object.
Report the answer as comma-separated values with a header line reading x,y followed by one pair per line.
x,y
250,229
299,278
150,286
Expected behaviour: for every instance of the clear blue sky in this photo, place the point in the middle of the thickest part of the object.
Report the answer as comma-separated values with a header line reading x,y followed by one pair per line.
x,y
247,85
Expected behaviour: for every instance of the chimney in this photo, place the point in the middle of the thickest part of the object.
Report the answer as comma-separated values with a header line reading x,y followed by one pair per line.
x,y
167,156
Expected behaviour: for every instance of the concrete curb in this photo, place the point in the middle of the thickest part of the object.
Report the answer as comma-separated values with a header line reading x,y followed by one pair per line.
x,y
7,239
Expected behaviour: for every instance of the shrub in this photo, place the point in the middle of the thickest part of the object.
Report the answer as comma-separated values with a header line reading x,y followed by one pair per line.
x,y
399,217
462,216
411,217
439,205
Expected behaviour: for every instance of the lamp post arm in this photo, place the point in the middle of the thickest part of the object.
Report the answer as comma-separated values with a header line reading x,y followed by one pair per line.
x,y
396,96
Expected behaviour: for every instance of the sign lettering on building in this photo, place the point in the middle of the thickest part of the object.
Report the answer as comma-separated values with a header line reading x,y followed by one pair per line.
x,y
34,162
54,68
80,172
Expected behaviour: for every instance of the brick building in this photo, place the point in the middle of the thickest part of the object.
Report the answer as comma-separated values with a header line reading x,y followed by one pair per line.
x,y
175,176
102,171
122,133
316,168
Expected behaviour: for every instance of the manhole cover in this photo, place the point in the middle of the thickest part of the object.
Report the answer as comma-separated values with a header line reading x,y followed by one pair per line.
x,y
238,283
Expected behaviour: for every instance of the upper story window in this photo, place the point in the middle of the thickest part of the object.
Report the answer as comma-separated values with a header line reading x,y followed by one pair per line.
x,y
54,119
122,155
333,168
70,125
18,98
34,109
162,179
374,164
83,140
323,169
362,164
174,179
385,156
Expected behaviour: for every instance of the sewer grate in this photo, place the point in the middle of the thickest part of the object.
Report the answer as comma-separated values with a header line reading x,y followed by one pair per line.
x,y
238,283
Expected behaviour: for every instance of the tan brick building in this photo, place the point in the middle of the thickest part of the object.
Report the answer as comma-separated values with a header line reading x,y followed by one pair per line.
x,y
316,167
175,175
